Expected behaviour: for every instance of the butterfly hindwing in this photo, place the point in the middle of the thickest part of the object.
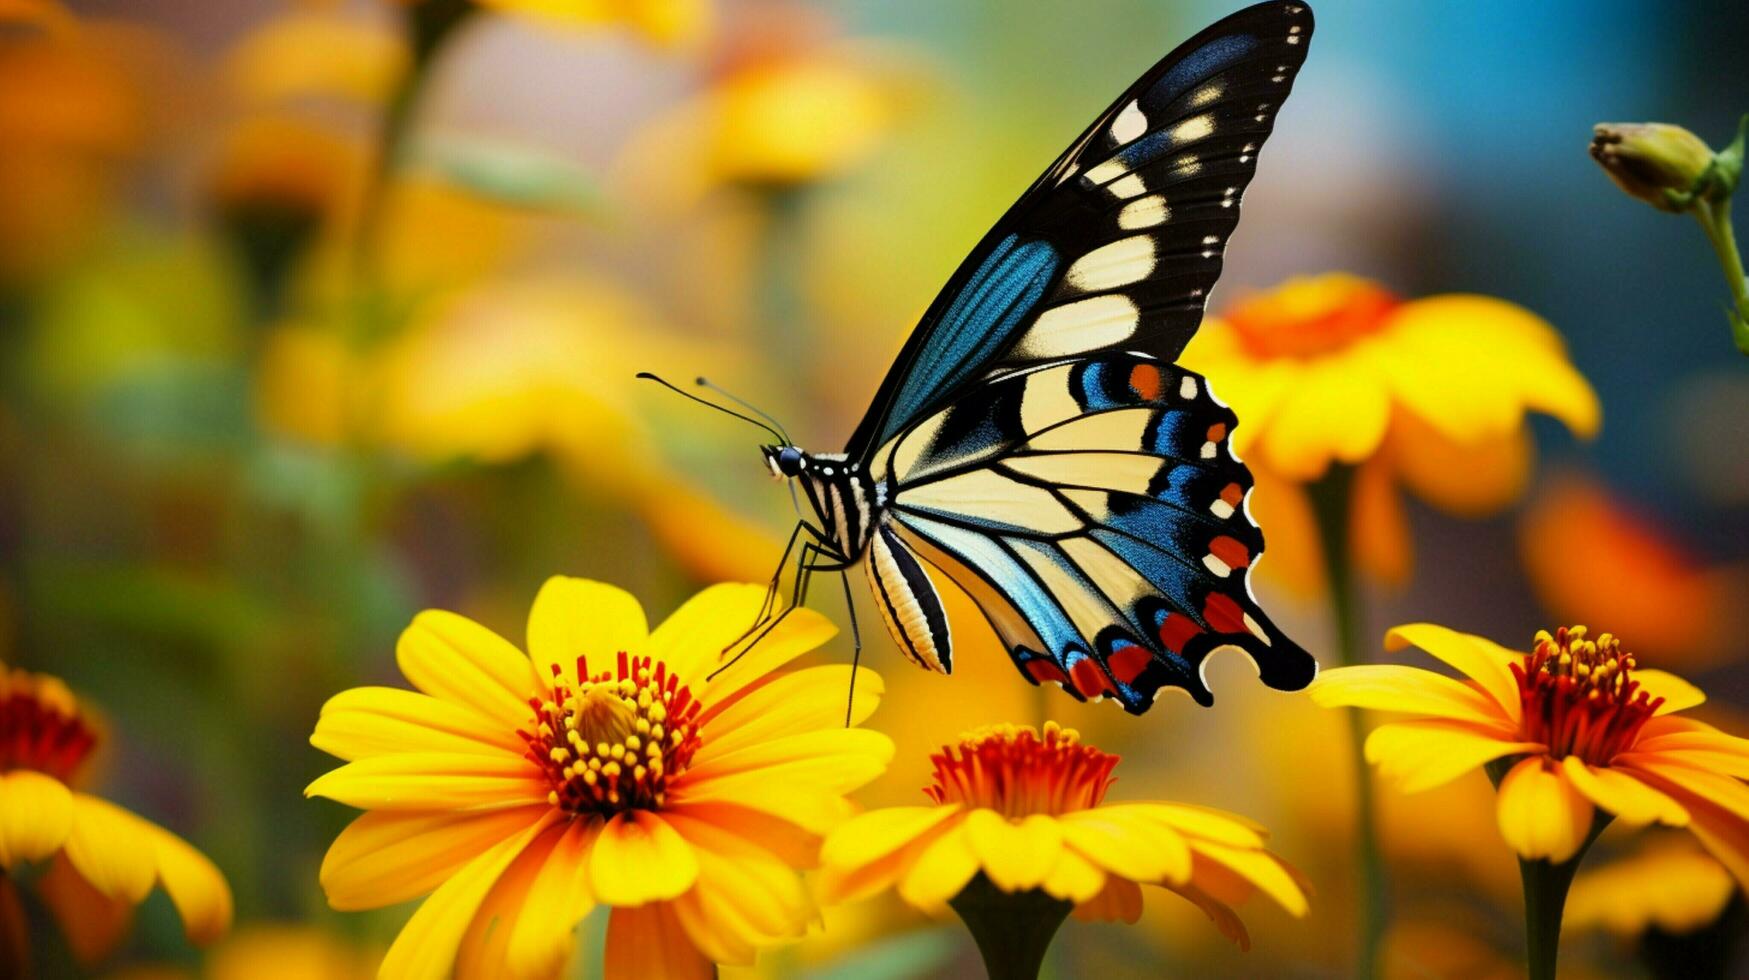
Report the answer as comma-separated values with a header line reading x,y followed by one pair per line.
x,y
1117,244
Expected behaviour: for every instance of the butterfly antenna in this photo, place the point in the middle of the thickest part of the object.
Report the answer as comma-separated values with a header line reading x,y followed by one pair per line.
x,y
647,376
749,406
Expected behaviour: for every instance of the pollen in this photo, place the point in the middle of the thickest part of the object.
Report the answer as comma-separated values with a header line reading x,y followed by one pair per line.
x,y
41,727
1016,771
611,741
1579,695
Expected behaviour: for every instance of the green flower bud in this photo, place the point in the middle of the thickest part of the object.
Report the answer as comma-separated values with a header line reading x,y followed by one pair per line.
x,y
1664,165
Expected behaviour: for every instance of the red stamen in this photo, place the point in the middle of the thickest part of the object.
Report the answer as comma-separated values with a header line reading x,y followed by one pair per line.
x,y
1579,696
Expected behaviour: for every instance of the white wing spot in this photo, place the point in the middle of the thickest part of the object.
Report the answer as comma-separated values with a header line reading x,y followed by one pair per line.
x,y
1208,93
1120,263
1129,124
1187,388
1193,129
1144,212
1221,509
1130,186
1256,630
1088,324
1208,450
1217,566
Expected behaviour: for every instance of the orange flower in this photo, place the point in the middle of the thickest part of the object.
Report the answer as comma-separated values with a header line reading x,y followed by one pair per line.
x,y
612,766
1577,727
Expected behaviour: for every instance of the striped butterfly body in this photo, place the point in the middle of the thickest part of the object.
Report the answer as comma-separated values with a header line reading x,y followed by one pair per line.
x,y
1035,441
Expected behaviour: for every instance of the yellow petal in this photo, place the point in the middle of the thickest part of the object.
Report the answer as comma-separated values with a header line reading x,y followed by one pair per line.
x,y
429,942
766,896
1338,412
801,631
940,872
1406,690
1378,527
575,617
649,943
484,947
92,922
775,835
1694,744
1481,660
454,658
434,781
1678,694
1631,800
1260,868
385,857
1723,791
639,858
541,937
1016,856
799,780
36,814
1472,478
1074,878
367,721
869,837
108,848
194,884
1541,815
691,641
1125,841
1119,901
1419,755
1207,823
1723,833
790,704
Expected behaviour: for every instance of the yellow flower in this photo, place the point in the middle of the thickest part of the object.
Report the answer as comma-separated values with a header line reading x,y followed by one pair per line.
x,y
101,860
1574,727
661,22
1669,884
316,54
1431,393
611,766
1026,811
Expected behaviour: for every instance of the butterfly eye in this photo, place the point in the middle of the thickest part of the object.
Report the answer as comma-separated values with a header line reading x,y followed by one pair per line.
x,y
789,461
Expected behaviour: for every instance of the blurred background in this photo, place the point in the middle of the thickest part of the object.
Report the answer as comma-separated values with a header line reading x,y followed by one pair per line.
x,y
311,321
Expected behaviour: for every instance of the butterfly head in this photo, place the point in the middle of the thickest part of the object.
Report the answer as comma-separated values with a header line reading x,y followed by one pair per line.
x,y
785,462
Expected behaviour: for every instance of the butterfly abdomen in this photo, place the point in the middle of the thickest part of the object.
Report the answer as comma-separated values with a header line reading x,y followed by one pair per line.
x,y
908,602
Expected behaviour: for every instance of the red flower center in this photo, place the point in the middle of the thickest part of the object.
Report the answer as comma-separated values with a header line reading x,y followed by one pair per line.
x,y
40,726
612,741
1310,316
1012,770
1579,695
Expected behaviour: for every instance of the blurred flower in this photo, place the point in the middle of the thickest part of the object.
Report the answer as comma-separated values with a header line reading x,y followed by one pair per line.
x,y
316,53
1025,813
102,860
527,790
311,385
1431,393
1581,726
271,952
1427,948
1664,165
663,22
1588,557
1669,884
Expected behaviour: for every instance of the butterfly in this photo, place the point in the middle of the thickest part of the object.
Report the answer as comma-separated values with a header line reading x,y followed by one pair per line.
x,y
1035,442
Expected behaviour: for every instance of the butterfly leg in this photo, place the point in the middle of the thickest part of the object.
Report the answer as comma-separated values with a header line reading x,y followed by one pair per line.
x,y
814,558
768,607
856,645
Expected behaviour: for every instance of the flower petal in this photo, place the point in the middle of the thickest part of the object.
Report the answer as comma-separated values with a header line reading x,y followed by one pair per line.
x,y
1406,690
1481,660
790,704
434,781
107,847
864,839
940,871
1125,841
691,640
542,935
1337,412
454,658
801,779
1678,694
367,721
429,942
649,943
1119,901
1722,790
1207,823
1220,913
576,617
92,922
801,631
1074,878
1260,868
195,885
484,947
1016,856
1541,815
1620,793
385,857
1471,478
1419,755
36,815
766,896
639,858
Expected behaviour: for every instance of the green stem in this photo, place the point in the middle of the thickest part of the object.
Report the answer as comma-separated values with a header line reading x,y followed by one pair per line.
x,y
1330,502
1013,929
1715,220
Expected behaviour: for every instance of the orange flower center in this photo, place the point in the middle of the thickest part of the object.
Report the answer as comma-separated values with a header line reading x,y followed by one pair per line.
x,y
1579,695
1310,316
611,742
1014,771
40,726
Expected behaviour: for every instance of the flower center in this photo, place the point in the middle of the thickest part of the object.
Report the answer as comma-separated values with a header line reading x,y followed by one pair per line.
x,y
611,741
1310,315
1014,771
1579,695
40,726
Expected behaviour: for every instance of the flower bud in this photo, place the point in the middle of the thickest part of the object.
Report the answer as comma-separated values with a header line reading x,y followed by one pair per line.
x,y
1666,166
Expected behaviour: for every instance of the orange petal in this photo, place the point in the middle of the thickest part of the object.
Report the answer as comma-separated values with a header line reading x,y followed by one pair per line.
x,y
454,658
483,951
1119,901
574,617
541,937
1221,914
1378,527
1541,815
649,943
385,857
639,858
92,921
1472,478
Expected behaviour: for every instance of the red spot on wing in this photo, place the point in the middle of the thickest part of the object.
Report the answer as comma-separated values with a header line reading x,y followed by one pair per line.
x,y
1176,630
1229,550
1217,432
1233,494
1089,679
1223,614
1146,381
1042,671
1127,663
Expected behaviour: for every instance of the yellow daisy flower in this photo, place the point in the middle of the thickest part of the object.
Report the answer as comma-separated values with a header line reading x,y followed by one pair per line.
x,y
610,766
1024,812
1575,726
90,861
1669,884
1430,393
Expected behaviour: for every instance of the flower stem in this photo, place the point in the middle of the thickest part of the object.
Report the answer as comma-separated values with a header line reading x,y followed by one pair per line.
x,y
1715,220
1013,929
1330,501
1545,901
